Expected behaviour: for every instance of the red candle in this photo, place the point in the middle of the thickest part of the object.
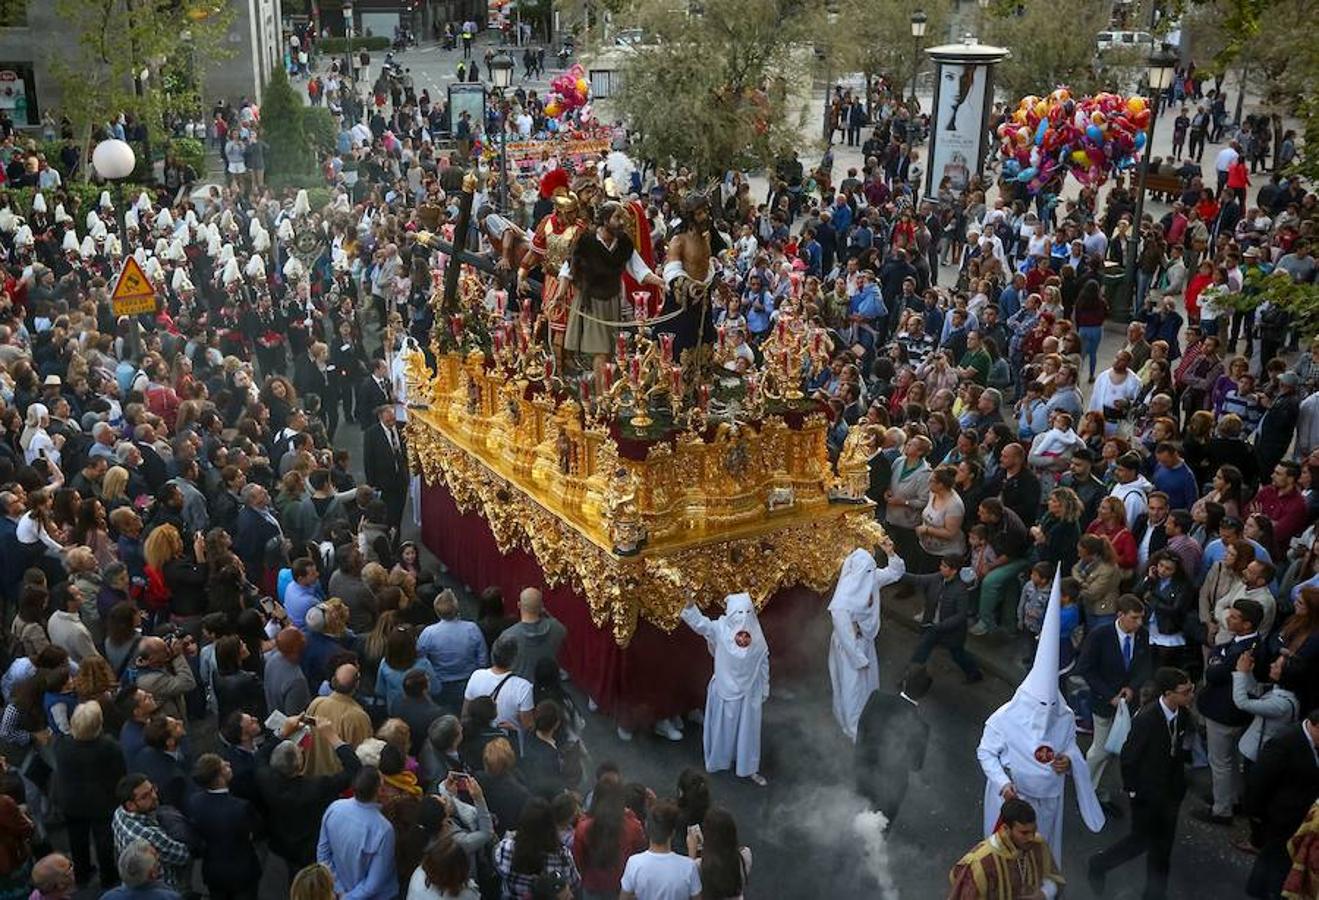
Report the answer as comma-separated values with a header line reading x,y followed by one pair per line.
x,y
666,346
783,328
498,338
636,369
549,368
704,393
676,375
722,331
586,390
609,375
620,345
526,310
524,340
501,301
457,324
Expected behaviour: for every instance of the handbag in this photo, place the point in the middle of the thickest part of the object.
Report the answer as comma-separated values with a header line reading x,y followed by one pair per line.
x,y
1117,735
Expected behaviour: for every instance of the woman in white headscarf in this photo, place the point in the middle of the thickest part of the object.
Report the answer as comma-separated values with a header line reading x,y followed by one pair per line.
x,y
853,662
737,690
35,440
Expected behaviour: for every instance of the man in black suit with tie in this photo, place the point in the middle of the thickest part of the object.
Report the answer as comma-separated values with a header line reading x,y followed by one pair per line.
x,y
1279,790
1115,661
890,742
229,826
374,391
386,462
1153,770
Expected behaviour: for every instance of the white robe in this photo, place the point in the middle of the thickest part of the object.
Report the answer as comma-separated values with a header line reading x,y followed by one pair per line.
x,y
853,661
734,698
1004,761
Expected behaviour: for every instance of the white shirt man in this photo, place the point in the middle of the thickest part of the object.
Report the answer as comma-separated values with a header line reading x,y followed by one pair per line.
x,y
1226,157
513,695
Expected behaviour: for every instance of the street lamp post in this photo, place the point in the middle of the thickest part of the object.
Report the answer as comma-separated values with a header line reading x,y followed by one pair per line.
x,y
1160,68
114,160
918,23
501,76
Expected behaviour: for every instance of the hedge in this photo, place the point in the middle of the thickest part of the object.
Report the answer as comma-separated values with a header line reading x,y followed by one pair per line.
x,y
190,151
336,45
320,129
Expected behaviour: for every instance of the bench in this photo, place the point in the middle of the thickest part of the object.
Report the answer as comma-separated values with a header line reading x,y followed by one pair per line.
x,y
1164,181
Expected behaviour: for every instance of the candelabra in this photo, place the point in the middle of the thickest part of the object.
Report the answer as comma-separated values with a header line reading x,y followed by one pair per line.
x,y
636,376
794,350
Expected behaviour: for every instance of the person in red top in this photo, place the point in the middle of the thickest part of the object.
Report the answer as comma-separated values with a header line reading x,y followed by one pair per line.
x,y
1203,277
1282,502
1238,179
604,839
1112,524
1207,207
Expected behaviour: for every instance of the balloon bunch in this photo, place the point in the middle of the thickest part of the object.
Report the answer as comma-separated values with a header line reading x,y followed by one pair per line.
x,y
1090,137
569,93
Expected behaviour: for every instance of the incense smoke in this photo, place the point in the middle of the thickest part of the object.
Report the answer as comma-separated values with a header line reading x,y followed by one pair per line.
x,y
870,826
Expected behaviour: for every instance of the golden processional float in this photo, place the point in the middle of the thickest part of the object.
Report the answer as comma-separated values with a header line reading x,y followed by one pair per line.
x,y
649,480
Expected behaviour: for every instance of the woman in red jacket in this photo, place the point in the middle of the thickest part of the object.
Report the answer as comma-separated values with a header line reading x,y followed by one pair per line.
x,y
1203,277
1112,524
1238,179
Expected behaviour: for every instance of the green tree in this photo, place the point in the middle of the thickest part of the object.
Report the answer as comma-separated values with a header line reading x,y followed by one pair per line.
x,y
1273,59
715,90
873,37
119,41
1050,46
282,120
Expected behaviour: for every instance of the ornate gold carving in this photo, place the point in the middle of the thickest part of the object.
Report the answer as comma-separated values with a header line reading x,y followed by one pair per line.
x,y
745,508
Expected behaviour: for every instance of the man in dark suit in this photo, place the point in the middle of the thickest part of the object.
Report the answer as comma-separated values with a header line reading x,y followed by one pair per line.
x,y
890,742
1153,770
12,555
1224,722
229,826
1279,790
385,460
300,799
256,526
153,468
1115,661
373,392
1149,531
158,760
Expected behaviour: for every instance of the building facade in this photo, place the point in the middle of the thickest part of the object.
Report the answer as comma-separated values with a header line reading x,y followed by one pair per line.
x,y
32,35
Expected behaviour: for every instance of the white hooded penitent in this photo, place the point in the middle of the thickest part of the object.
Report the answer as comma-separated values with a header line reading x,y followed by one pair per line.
x,y
854,609
1024,737
738,688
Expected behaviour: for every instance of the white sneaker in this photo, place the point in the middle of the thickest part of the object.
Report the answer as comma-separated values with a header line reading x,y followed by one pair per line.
x,y
624,734
664,728
757,779
592,705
